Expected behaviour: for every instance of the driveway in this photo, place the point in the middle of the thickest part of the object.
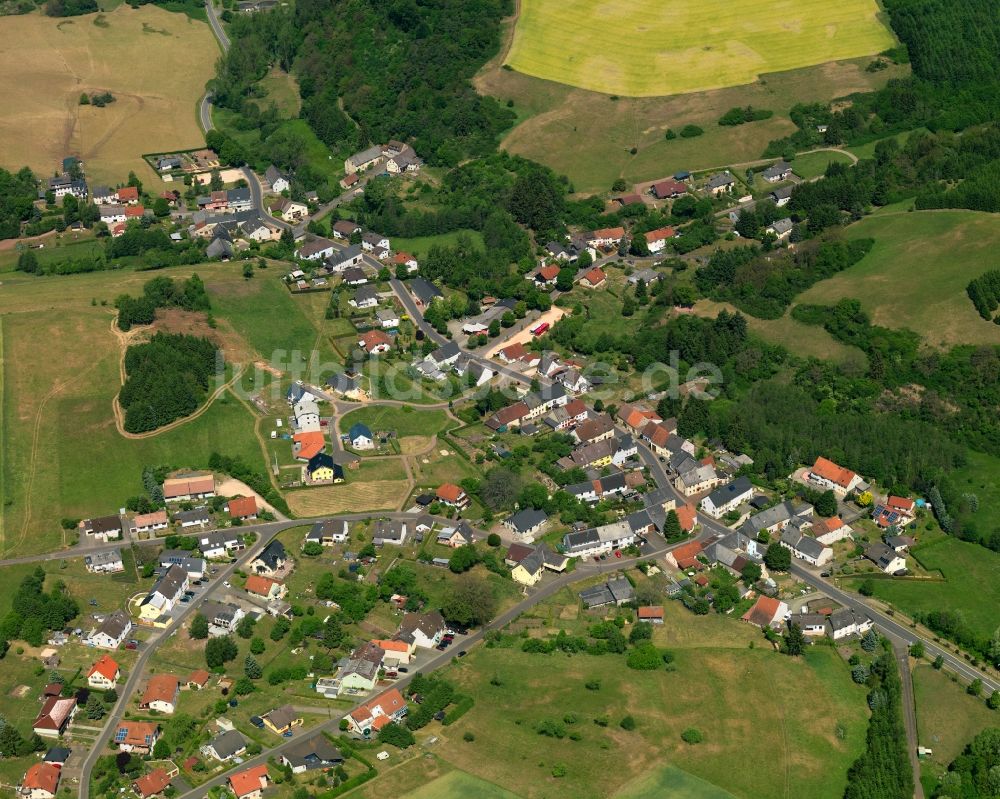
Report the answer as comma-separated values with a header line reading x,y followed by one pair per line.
x,y
524,335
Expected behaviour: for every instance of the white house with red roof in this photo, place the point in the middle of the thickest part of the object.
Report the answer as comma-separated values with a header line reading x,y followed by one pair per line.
x,y
249,783
41,781
372,716
827,474
657,239
104,674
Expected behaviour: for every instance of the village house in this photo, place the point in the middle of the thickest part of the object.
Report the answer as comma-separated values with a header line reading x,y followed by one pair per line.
x,y
185,488
390,531
452,495
161,693
697,480
829,531
40,781
636,418
289,210
375,342
195,567
361,437
109,562
526,523
104,528
395,653
243,508
146,523
220,544
805,547
894,512
616,591
164,595
363,160
197,679
424,292
264,587
844,623
341,260
827,474
321,469
64,184
651,614
781,229
104,674
223,617
316,250
249,783
111,632
313,753
727,497
404,259
55,715
885,557
606,237
372,716
720,183
424,630
766,612
364,297
277,179
270,560
153,783
344,228
329,532
282,719
781,196
778,172
136,736
599,540
225,746
349,387
668,189
455,536
656,240
595,278
529,563
373,242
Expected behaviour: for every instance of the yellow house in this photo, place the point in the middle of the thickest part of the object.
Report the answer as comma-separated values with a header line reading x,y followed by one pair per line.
x,y
521,574
528,570
321,468
281,719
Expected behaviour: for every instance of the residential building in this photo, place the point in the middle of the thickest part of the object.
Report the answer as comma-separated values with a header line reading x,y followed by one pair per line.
x,y
40,781
697,480
198,517
226,746
270,560
152,784
780,228
827,474
805,547
656,240
151,522
388,318
282,719
220,544
313,753
363,160
781,196
109,562
529,563
885,557
223,617
616,591
389,531
727,497
111,632
422,629
395,653
264,587
598,540
136,736
651,614
606,237
242,508
526,523
668,189
289,210
766,612
452,495
166,592
197,679
595,278
277,179
777,172
104,674
344,228
424,292
375,342
361,437
329,532
184,488
372,716
844,623
161,693
104,528
249,783
720,183
54,716
829,531
316,250
358,675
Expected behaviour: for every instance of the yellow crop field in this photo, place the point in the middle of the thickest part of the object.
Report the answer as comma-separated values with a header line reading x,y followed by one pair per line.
x,y
652,48
154,62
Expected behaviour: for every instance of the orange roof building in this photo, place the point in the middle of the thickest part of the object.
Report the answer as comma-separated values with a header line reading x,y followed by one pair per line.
x,y
243,507
308,444
513,352
612,234
380,711
637,418
660,234
134,211
452,494
260,586
152,784
249,783
686,555
198,678
549,273
136,736
375,341
900,504
41,780
161,693
128,194
827,472
687,515
192,486
105,670
594,278
765,612
651,613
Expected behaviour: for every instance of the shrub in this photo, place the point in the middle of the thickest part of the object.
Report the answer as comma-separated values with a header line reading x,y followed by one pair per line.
x,y
692,736
627,723
468,736
559,770
691,131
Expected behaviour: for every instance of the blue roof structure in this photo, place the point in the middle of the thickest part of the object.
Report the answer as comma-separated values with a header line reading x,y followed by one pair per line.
x,y
358,430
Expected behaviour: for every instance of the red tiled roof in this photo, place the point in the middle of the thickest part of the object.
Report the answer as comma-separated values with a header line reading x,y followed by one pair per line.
x,y
656,433
136,732
105,666
242,507
651,612
183,486
153,783
595,276
402,258
515,351
392,646
374,338
823,526
763,611
449,492
128,193
310,443
608,233
829,470
248,781
134,211
686,554
686,514
900,503
660,234
199,676
390,702
575,407
160,688
43,777
149,519
55,710
666,188
257,584
550,272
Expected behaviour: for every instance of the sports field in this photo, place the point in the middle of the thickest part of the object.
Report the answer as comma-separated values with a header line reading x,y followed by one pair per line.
x,y
652,48
916,274
155,64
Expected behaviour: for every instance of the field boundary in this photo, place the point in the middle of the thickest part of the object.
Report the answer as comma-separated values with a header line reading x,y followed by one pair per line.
x,y
3,441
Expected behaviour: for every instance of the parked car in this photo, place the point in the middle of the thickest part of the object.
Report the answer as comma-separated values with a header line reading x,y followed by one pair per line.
x,y
404,669
131,645
257,721
462,654
226,583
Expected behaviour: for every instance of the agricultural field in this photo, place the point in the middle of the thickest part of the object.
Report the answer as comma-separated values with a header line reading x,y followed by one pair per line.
x,y
969,586
590,136
947,717
726,683
47,63
349,497
458,785
62,455
687,46
916,274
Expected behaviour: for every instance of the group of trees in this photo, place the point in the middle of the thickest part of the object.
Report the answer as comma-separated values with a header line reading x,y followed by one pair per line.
x,y
35,611
984,291
18,192
974,774
161,292
742,115
166,378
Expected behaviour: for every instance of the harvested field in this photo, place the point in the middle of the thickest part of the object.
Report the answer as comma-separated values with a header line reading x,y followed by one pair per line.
x,y
347,497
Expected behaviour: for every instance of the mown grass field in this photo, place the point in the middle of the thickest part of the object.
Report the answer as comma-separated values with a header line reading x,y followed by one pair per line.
x,y
155,64
916,274
459,785
421,245
814,164
405,421
660,49
735,695
970,586
62,456
947,717
673,782
589,137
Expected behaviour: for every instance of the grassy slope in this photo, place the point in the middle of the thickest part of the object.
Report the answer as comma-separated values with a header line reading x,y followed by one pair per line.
x,y
62,454
728,691
47,63
421,245
811,165
687,46
458,785
404,422
916,274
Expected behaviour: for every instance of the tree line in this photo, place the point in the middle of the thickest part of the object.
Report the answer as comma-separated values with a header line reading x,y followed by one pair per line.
x,y
161,292
984,291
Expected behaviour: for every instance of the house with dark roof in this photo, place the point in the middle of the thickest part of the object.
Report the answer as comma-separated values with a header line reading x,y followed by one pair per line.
x,y
270,560
526,523
424,292
529,563
422,629
389,531
616,591
310,754
103,528
777,172
164,595
226,746
727,497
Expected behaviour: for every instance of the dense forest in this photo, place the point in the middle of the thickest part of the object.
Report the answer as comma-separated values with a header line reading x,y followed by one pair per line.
x,y
984,291
167,378
161,292
974,774
36,611
18,192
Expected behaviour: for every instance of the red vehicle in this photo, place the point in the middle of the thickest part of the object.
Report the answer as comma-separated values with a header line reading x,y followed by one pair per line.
x,y
537,331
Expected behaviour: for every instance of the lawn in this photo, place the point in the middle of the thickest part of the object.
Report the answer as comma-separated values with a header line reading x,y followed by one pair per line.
x,y
947,717
282,91
814,164
687,46
590,137
62,455
916,274
47,63
459,785
970,584
421,245
403,420
730,693
671,781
